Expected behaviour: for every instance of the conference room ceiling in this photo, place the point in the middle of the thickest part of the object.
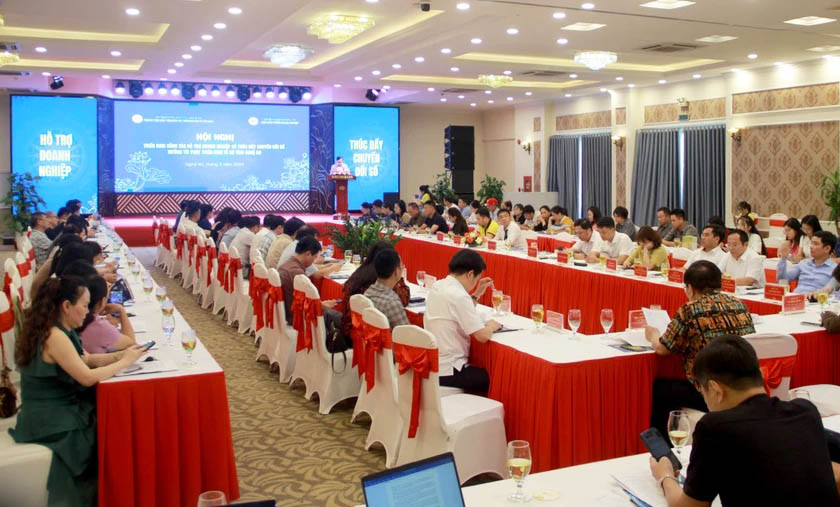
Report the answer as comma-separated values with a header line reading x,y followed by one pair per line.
x,y
79,37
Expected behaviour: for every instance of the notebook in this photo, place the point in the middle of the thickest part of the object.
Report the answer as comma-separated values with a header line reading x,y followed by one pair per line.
x,y
431,482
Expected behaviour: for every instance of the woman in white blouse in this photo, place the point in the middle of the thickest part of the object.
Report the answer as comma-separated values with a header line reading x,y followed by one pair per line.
x,y
747,225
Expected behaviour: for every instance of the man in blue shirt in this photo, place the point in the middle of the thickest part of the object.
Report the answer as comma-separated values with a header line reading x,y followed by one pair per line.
x,y
814,273
464,207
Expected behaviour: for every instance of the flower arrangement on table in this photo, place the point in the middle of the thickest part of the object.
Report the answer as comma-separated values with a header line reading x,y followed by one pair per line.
x,y
474,239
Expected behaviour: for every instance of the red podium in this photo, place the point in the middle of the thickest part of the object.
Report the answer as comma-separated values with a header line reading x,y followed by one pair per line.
x,y
341,193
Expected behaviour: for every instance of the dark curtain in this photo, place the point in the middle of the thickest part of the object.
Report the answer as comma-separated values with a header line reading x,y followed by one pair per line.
x,y
656,174
705,173
597,172
562,169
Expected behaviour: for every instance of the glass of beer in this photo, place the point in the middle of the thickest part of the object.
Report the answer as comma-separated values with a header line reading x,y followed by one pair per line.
x,y
537,314
679,428
348,256
519,466
603,260
822,299
498,298
188,343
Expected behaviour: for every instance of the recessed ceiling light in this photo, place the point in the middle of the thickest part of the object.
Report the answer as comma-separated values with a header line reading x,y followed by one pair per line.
x,y
696,76
396,66
487,92
446,51
116,53
376,72
568,95
419,59
662,81
462,6
667,4
507,72
386,87
603,90
372,1
631,85
562,41
106,76
559,15
716,39
460,96
179,64
824,49
206,36
736,70
430,89
779,64
358,78
528,94
279,83
472,104
454,69
219,26
510,98
40,49
584,27
443,99
131,11
475,40
752,56
186,56
619,78
236,11
512,31
195,47
46,74
587,6
573,76
337,85
491,101
171,71
809,21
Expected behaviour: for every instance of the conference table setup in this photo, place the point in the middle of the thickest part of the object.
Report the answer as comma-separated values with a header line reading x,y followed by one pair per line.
x,y
163,425
581,397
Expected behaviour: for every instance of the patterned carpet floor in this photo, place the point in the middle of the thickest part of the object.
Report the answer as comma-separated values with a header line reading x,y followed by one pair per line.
x,y
284,449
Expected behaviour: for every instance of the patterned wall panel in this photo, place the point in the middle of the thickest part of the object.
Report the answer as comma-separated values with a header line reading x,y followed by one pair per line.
x,y
621,116
321,157
250,202
705,109
800,97
537,147
594,120
105,167
537,124
779,168
621,175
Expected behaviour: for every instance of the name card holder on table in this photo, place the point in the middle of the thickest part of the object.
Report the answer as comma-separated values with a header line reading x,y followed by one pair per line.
x,y
676,275
774,291
640,271
458,239
491,245
612,265
727,285
440,236
636,319
793,303
554,321
532,243
532,250
562,257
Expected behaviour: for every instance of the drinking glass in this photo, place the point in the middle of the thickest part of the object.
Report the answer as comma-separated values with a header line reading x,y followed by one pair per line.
x,y
421,278
519,465
348,256
679,428
537,314
602,261
800,393
822,299
148,285
574,322
188,342
357,259
131,260
507,304
498,298
135,270
606,320
160,294
167,324
211,499
329,251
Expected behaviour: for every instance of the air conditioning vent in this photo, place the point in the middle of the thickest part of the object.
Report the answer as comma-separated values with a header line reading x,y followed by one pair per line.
x,y
544,73
9,46
462,91
670,47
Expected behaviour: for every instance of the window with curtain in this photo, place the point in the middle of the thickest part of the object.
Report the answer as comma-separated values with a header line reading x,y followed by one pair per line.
x,y
705,173
580,170
563,161
596,172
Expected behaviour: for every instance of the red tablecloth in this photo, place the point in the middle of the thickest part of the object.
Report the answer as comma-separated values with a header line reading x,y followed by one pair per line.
x,y
164,441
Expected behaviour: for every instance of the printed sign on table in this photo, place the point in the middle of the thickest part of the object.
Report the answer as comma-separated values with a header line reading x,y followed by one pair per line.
x,y
676,275
554,320
793,303
491,245
458,240
612,265
532,250
640,270
636,319
562,257
727,285
774,291
440,236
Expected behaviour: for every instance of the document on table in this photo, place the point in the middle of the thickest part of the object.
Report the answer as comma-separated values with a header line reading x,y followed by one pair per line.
x,y
145,367
635,337
657,318
644,487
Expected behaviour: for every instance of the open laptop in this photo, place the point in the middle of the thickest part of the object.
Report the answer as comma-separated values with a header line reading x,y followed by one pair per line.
x,y
431,482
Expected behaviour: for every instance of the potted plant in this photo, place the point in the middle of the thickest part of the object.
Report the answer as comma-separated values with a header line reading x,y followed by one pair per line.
x,y
830,191
360,236
24,201
443,188
491,187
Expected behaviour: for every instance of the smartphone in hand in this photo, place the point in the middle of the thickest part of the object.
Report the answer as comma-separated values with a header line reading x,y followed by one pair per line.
x,y
658,447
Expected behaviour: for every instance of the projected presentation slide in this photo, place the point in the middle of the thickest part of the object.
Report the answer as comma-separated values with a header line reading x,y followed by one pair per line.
x,y
195,147
55,138
368,138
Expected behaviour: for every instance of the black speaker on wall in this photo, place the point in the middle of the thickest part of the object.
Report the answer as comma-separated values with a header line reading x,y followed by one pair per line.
x,y
462,183
459,148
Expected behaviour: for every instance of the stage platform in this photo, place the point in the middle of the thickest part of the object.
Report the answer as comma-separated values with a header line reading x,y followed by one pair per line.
x,y
137,230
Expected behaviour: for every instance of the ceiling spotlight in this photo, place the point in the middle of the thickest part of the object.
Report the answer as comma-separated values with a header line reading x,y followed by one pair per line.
x,y
460,96
573,76
562,41
559,15
662,81
396,66
472,104
170,71
491,101
178,64
631,85
475,40
131,11
337,85
283,94
202,91
215,91
446,51
175,90
163,79
186,56
120,88
116,53
376,72
386,87
443,99
227,81
40,49
162,90
462,6
148,90
454,69
587,6
106,76
46,74
358,78
696,76
752,56
507,72
207,36
269,93
257,92
236,11
528,94
419,59
372,1
307,95
510,99
619,78
603,90
430,89
230,92
195,47
279,83
488,92
568,95
219,26
512,31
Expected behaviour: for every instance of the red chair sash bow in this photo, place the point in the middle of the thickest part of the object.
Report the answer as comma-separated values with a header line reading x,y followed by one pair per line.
x,y
191,242
777,223
357,336
306,312
376,339
774,369
155,228
220,273
211,255
257,287
7,289
421,361
274,295
23,269
164,236
234,265
199,253
30,256
7,320
179,245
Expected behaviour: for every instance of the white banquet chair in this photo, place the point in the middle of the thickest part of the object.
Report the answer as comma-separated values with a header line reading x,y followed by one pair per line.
x,y
208,275
199,265
220,296
14,292
286,336
777,225
331,377
243,310
471,427
187,266
267,342
23,266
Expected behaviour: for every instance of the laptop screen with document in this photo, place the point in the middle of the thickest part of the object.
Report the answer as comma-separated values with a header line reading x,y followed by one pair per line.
x,y
432,482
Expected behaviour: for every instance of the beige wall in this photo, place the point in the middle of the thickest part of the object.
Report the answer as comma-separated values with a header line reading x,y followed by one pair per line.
x,y
498,143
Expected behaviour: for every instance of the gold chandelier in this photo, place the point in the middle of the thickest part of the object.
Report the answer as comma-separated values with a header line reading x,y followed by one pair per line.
x,y
7,58
494,81
339,28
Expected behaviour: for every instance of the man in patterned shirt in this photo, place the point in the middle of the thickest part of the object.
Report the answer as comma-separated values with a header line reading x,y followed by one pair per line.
x,y
389,270
707,315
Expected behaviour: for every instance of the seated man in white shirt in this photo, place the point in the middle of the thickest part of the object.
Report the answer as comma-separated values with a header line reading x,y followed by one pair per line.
x,y
452,317
318,268
243,241
742,263
710,240
616,245
188,223
587,239
509,231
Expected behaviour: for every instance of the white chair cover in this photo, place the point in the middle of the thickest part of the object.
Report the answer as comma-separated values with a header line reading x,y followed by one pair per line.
x,y
286,336
220,297
208,291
